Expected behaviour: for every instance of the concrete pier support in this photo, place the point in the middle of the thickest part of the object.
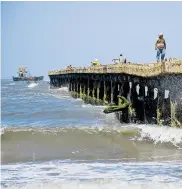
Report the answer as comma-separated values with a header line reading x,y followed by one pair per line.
x,y
94,92
81,88
77,88
133,100
140,104
160,101
88,89
98,91
115,92
105,92
111,91
70,86
150,106
101,93
108,92
74,85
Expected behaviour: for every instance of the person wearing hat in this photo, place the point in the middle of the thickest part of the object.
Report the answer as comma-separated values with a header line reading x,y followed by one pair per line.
x,y
160,46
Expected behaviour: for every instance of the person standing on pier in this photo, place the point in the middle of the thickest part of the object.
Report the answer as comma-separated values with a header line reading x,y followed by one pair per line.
x,y
160,46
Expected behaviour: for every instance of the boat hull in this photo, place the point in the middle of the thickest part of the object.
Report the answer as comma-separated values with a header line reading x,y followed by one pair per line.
x,y
39,78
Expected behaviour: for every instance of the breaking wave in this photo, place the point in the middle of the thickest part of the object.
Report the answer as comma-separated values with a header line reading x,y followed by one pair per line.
x,y
31,85
92,143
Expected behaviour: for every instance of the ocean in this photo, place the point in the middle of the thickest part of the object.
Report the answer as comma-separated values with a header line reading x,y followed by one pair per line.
x,y
51,140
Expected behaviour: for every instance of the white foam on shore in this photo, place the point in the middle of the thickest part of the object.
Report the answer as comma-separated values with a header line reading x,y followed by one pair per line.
x,y
80,175
98,184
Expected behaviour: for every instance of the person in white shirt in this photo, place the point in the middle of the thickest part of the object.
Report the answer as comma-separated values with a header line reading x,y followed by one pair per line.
x,y
122,59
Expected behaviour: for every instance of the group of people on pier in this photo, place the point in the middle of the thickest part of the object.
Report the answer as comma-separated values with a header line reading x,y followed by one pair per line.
x,y
121,59
160,47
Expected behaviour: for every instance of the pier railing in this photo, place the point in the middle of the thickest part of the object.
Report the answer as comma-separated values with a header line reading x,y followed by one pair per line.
x,y
145,70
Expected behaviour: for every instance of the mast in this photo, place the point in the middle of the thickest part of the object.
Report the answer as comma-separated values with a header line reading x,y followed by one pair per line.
x,y
22,71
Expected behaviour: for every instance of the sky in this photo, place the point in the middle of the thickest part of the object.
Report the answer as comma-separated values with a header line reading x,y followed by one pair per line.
x,y
51,35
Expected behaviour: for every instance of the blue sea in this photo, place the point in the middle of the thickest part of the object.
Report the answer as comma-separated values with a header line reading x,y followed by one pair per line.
x,y
51,140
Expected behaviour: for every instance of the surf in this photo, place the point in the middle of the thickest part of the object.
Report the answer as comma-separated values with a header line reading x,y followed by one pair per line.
x,y
32,85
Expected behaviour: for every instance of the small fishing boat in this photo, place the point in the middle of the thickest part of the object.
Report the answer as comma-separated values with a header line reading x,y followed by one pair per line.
x,y
23,76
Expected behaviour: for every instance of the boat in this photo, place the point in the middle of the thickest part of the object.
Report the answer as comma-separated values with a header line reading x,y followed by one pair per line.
x,y
23,76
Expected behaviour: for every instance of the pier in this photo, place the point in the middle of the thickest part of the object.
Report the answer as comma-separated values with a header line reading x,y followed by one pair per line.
x,y
154,90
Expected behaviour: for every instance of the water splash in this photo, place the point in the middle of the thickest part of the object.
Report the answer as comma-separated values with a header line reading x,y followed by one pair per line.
x,y
63,89
160,134
32,85
10,84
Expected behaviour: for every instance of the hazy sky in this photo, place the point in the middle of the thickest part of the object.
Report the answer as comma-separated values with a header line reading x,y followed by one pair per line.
x,y
51,35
